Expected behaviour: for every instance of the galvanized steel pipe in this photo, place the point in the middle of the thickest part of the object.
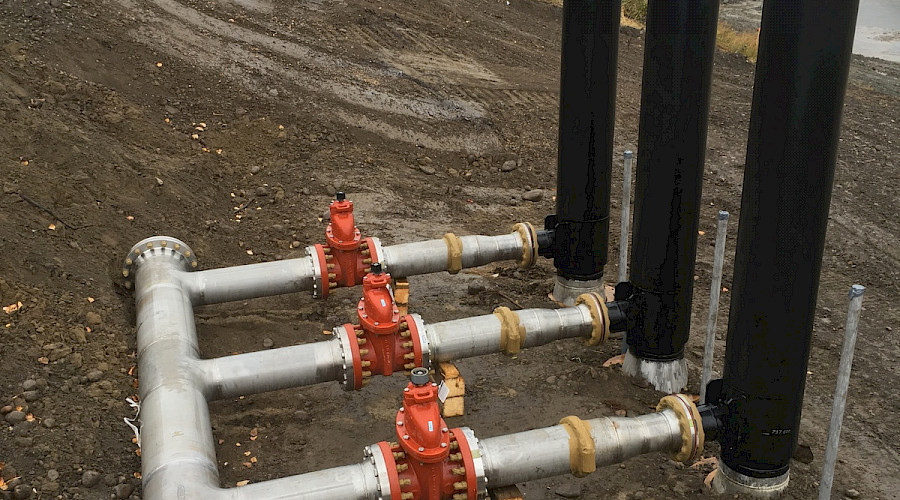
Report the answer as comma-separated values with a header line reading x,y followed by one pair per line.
x,y
541,453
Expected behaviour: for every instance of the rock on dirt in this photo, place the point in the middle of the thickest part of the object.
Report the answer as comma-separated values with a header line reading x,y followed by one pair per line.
x,y
16,416
568,490
93,318
509,166
428,169
534,195
90,478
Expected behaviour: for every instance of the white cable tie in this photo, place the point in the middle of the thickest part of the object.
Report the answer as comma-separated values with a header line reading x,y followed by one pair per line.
x,y
130,422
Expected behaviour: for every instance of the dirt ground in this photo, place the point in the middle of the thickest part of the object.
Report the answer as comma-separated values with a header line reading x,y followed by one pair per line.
x,y
411,107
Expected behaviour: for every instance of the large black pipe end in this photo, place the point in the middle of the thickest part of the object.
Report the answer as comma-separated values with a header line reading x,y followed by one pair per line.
x,y
578,249
656,327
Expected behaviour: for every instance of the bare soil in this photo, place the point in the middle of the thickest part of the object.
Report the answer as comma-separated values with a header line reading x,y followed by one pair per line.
x,y
99,100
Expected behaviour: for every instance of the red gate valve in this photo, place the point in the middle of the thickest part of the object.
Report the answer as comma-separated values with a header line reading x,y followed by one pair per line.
x,y
346,256
383,342
429,461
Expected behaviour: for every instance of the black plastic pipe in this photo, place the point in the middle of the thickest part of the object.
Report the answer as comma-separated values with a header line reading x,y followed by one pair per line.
x,y
590,44
680,44
798,95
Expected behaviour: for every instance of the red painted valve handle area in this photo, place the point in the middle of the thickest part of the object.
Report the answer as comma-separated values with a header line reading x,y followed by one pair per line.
x,y
346,256
383,342
428,461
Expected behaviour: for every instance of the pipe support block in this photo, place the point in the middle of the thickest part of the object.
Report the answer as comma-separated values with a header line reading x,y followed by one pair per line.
x,y
581,446
454,253
512,334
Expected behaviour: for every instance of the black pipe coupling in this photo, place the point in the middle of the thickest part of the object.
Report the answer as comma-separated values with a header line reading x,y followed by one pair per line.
x,y
650,323
578,248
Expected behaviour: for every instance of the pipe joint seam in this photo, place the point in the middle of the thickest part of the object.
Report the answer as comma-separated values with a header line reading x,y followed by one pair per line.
x,y
529,244
691,424
512,334
454,253
581,446
599,316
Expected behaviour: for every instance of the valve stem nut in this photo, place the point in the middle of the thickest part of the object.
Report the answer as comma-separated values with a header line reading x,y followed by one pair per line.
x,y
419,376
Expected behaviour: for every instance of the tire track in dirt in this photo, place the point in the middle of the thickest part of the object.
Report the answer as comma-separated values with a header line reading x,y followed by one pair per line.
x,y
287,66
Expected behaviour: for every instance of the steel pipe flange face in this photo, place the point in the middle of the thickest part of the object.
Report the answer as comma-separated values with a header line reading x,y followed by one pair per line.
x,y
474,463
529,244
376,457
377,252
348,381
321,285
157,245
421,347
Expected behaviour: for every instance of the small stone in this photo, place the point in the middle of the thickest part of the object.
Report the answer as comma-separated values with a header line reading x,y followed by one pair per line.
x,y
56,3
470,158
852,493
52,474
29,385
22,492
295,244
94,375
427,169
273,92
424,160
475,288
452,172
262,191
49,422
9,187
330,190
803,453
124,490
6,409
534,195
621,413
267,342
159,182
326,216
93,318
14,417
569,490
90,478
509,166
31,396
24,442
254,169
551,379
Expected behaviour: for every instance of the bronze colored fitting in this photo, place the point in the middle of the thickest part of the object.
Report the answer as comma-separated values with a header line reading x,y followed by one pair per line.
x,y
329,266
399,455
459,471
455,457
406,496
407,345
409,356
405,334
365,364
326,250
461,496
405,482
365,382
409,366
363,352
402,467
404,325
365,252
454,445
361,341
332,276
461,485
367,261
366,374
332,284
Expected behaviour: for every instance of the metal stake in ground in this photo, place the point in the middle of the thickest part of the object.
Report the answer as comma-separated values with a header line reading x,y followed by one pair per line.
x,y
626,217
715,288
840,392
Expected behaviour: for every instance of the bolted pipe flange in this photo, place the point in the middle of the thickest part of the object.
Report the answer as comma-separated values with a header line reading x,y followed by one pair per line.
x,y
690,423
348,379
473,452
529,244
375,456
318,265
157,246
421,346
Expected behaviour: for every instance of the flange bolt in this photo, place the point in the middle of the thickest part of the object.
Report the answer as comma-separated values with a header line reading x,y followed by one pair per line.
x,y
340,196
419,376
375,268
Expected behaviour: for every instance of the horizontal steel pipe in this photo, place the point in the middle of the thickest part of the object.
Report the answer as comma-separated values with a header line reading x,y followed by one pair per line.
x,y
541,453
263,371
433,256
264,279
469,337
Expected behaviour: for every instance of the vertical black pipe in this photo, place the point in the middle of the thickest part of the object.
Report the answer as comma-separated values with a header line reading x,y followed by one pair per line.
x,y
590,43
680,45
801,77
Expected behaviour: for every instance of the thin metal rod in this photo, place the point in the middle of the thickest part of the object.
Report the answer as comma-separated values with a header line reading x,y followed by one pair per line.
x,y
626,217
709,350
840,392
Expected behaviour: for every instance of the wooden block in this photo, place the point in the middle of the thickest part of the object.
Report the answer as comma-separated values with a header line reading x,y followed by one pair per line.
x,y
448,370
401,295
453,407
506,493
456,385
